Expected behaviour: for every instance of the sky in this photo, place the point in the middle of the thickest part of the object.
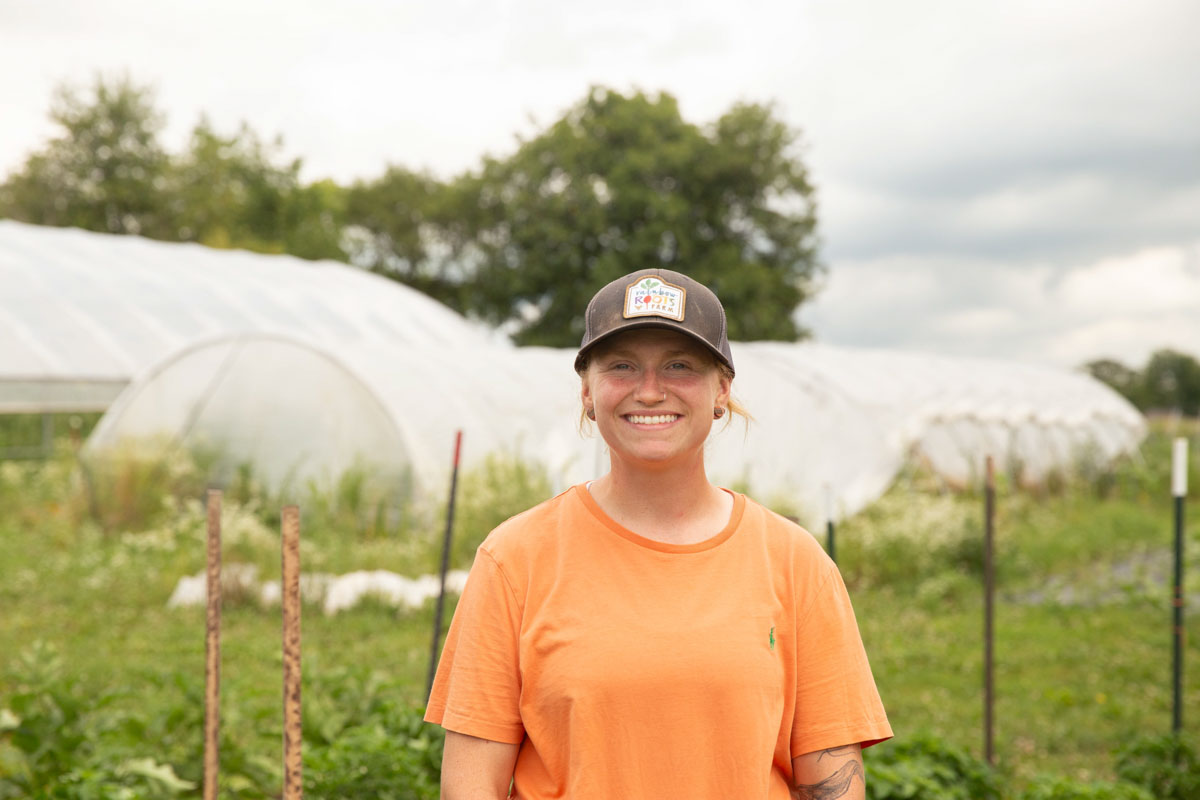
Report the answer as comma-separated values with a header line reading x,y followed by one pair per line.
x,y
1015,179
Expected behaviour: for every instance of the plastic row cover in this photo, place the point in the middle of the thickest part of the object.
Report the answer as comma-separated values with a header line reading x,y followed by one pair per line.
x,y
832,426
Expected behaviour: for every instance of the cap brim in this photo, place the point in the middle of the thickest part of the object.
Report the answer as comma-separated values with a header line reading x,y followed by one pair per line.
x,y
649,322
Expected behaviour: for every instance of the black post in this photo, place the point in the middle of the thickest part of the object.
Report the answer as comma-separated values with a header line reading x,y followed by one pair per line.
x,y
829,527
989,591
437,617
1179,490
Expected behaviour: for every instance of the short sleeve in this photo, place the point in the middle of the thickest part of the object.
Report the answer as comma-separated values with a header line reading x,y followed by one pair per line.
x,y
837,702
477,690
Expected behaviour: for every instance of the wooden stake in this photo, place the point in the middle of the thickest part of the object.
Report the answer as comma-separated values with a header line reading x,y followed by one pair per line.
x,y
212,648
292,776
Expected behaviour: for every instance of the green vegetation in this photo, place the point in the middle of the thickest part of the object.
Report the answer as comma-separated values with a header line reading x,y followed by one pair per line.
x,y
1170,382
101,684
619,183
623,183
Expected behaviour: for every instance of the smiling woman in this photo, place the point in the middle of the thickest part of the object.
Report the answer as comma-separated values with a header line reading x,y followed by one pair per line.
x,y
649,634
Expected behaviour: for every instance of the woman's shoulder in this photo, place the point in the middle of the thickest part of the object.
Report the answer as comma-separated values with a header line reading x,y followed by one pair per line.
x,y
781,531
530,530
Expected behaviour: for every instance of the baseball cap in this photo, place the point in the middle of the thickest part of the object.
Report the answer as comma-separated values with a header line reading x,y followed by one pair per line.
x,y
656,298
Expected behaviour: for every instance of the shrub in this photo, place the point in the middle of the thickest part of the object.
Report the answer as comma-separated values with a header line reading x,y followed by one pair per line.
x,y
1165,765
1059,788
361,742
57,741
926,768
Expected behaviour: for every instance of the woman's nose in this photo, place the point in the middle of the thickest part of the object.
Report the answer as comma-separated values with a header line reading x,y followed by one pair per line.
x,y
649,390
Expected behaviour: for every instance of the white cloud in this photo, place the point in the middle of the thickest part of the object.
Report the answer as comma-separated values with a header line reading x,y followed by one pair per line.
x,y
1155,280
1130,339
1123,307
1006,177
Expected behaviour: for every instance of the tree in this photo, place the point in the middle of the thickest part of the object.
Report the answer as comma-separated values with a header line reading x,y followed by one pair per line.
x,y
108,172
1126,381
1171,382
397,226
104,172
623,183
237,191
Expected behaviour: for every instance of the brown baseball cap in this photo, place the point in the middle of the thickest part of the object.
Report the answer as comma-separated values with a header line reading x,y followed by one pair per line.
x,y
656,298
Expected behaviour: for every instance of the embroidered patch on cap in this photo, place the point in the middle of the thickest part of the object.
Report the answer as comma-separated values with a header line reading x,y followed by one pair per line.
x,y
651,297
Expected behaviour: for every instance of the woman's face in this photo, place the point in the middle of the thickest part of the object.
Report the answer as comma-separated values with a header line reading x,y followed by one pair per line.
x,y
653,392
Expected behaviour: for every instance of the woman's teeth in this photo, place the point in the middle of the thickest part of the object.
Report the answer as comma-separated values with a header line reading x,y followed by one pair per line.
x,y
655,420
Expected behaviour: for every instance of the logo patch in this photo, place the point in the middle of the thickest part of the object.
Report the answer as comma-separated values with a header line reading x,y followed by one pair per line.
x,y
651,297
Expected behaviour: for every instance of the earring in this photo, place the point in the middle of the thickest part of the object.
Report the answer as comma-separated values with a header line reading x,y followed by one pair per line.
x,y
591,414
718,412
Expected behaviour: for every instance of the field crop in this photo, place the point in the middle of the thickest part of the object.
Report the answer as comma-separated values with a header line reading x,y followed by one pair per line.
x,y
93,661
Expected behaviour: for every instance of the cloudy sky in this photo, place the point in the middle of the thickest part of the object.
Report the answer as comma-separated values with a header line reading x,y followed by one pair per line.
x,y
1017,179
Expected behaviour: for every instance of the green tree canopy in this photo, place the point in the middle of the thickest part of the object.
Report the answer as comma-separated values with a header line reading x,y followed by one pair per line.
x,y
237,191
397,226
1125,380
105,171
619,183
623,183
1170,381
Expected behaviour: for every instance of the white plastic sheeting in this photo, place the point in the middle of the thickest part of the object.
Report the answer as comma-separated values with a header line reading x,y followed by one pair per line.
x,y
82,313
300,415
335,593
828,420
852,418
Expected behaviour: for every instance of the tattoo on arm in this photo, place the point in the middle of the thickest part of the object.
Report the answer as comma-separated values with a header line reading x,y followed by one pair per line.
x,y
836,751
833,787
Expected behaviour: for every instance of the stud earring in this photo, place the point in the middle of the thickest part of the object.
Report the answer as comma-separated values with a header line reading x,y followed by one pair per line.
x,y
591,414
718,412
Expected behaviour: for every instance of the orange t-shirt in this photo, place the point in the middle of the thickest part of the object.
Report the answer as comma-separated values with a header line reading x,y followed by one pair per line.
x,y
630,668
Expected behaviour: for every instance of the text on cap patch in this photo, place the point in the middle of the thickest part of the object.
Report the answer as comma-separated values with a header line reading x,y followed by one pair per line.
x,y
651,297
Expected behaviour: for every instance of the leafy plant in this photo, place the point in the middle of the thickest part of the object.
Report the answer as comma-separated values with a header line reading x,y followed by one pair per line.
x,y
57,741
397,757
362,742
1060,788
1165,765
927,768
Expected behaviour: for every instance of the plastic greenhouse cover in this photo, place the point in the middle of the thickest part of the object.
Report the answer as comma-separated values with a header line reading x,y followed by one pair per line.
x,y
305,369
82,313
824,416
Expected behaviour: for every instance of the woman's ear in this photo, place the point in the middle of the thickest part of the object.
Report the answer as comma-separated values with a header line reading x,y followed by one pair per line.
x,y
724,388
585,391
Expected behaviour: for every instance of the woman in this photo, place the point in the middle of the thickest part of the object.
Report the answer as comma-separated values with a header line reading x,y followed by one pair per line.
x,y
648,634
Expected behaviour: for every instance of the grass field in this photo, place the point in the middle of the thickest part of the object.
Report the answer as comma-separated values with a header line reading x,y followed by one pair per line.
x,y
1083,640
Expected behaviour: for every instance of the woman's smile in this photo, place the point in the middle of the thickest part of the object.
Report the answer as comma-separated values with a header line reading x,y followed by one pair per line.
x,y
655,420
